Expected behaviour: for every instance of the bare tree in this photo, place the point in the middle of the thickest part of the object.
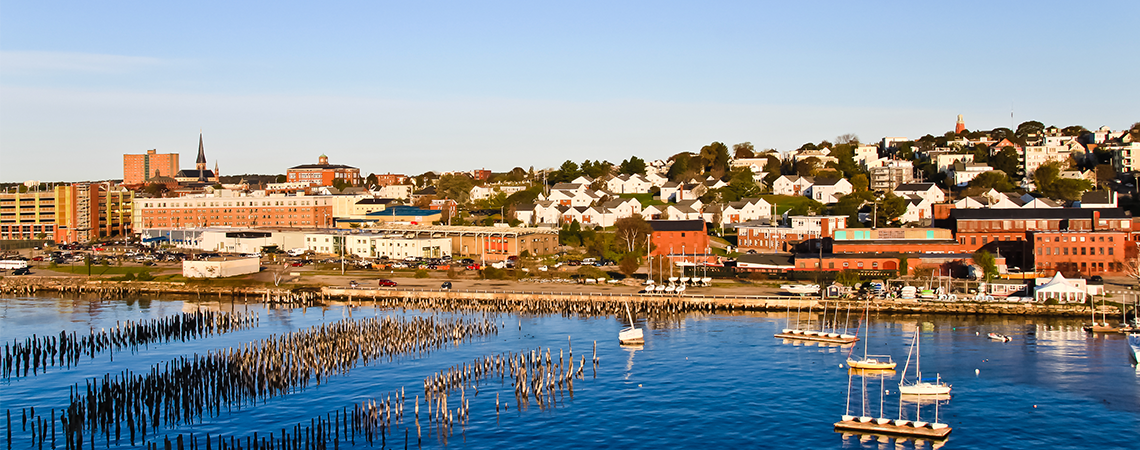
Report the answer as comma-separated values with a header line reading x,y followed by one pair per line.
x,y
848,138
280,272
632,231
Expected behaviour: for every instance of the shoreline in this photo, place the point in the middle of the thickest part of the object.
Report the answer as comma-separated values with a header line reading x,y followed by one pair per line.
x,y
313,295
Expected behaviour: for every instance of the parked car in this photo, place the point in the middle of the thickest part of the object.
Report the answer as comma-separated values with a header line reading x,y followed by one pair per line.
x,y
1097,279
22,271
446,285
384,282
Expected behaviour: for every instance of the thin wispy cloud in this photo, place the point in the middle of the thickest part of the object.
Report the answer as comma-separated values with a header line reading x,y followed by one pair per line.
x,y
41,62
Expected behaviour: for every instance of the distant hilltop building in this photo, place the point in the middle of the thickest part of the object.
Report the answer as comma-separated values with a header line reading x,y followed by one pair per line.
x,y
199,175
960,126
140,169
323,173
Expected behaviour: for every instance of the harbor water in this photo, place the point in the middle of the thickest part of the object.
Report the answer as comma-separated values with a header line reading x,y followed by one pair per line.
x,y
701,380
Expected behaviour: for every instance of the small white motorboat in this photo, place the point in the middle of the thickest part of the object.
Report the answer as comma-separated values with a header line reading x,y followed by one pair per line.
x,y
800,289
999,337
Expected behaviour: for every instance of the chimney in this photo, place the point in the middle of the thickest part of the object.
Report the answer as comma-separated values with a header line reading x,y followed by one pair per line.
x,y
824,228
1095,220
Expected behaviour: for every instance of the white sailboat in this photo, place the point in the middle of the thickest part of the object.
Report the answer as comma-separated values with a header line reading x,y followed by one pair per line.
x,y
632,334
920,387
874,362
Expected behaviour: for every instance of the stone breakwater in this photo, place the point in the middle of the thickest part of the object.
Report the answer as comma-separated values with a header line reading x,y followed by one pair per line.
x,y
536,302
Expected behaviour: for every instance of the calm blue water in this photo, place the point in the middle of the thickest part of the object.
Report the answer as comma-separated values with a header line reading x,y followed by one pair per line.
x,y
701,380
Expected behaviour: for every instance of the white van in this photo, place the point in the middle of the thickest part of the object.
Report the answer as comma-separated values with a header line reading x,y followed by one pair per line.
x,y
12,264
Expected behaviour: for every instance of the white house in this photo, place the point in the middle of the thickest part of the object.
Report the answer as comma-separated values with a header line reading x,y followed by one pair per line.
x,y
573,197
829,191
791,185
962,173
929,191
918,209
628,184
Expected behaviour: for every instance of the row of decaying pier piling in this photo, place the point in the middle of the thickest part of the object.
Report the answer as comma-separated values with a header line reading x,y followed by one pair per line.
x,y
190,389
35,354
187,390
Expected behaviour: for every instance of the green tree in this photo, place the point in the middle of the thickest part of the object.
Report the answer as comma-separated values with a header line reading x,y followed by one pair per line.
x,y
1007,160
985,260
848,277
1027,128
714,159
567,172
981,153
807,207
859,182
632,166
680,170
340,184
596,169
455,186
743,150
629,264
741,184
849,205
1049,182
994,179
570,234
807,167
372,180
891,210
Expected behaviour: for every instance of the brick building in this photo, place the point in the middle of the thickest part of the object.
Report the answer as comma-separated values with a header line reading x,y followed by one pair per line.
x,y
678,238
978,227
1084,252
138,169
323,173
277,211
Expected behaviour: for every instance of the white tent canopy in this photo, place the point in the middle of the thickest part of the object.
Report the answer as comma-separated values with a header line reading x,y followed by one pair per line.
x,y
1059,288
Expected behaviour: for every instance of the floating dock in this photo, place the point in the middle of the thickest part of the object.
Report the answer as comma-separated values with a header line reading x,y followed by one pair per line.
x,y
816,336
895,428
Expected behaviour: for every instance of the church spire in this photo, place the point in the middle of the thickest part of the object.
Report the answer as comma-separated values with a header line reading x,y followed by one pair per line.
x,y
201,163
201,151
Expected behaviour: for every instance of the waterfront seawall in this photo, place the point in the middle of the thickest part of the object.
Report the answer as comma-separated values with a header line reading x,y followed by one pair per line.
x,y
516,299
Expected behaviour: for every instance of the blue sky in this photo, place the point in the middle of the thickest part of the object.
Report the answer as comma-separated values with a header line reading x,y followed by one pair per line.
x,y
416,86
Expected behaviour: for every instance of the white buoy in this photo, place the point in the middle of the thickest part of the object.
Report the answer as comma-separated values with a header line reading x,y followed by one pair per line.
x,y
976,372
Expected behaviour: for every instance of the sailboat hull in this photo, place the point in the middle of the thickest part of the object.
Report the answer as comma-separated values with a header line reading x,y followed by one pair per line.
x,y
924,389
631,336
871,364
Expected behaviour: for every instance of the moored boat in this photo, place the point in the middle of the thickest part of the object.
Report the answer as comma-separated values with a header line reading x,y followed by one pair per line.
x,y
999,337
920,387
800,289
